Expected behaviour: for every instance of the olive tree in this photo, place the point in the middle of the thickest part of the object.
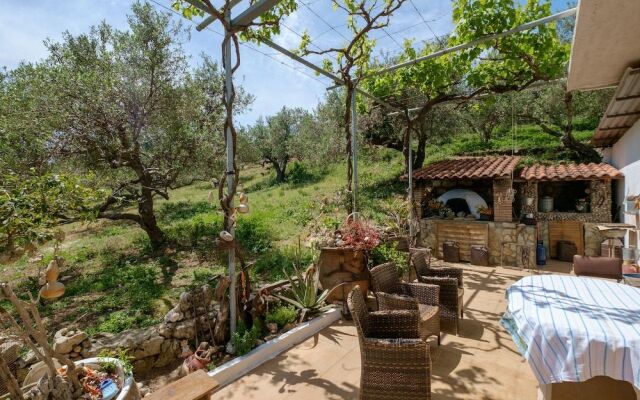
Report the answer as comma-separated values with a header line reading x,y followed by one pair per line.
x,y
126,105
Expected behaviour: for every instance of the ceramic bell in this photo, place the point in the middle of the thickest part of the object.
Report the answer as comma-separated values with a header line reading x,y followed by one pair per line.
x,y
243,198
210,198
243,208
226,236
53,289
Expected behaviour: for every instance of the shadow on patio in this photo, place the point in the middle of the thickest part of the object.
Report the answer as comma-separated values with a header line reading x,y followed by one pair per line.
x,y
481,363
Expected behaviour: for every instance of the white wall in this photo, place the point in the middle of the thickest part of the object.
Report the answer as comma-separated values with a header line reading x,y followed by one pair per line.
x,y
625,155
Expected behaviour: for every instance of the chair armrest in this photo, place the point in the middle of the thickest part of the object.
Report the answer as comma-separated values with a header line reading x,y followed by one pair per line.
x,y
412,353
392,301
428,294
392,324
447,271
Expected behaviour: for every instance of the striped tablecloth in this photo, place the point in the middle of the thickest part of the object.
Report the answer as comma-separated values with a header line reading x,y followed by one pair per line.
x,y
571,329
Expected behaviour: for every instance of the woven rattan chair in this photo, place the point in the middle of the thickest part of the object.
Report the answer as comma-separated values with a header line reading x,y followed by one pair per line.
x,y
396,363
448,278
392,294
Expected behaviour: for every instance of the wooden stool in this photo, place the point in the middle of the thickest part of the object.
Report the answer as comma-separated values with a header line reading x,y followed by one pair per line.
x,y
197,385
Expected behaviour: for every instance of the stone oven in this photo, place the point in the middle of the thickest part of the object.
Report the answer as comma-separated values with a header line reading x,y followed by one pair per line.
x,y
517,206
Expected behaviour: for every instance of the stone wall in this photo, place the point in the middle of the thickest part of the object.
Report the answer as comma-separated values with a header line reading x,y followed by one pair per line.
x,y
515,242
191,320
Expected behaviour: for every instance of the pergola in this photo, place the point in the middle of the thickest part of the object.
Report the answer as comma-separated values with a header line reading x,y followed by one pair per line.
x,y
253,12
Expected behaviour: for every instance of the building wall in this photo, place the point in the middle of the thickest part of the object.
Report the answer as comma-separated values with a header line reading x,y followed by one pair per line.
x,y
625,155
502,212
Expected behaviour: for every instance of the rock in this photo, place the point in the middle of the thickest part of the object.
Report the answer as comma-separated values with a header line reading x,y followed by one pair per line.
x,y
270,337
272,327
149,348
30,357
170,350
173,316
144,365
230,349
165,330
64,343
184,304
185,330
10,351
259,342
77,349
86,344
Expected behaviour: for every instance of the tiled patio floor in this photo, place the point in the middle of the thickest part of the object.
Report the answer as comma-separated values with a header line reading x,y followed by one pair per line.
x,y
480,363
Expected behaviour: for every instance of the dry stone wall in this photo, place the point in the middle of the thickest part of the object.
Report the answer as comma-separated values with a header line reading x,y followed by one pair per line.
x,y
516,243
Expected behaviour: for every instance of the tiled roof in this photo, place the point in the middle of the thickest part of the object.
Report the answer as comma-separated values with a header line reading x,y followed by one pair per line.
x,y
469,168
570,171
623,110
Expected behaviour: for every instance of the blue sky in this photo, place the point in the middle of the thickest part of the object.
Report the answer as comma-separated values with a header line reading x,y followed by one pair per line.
x,y
273,79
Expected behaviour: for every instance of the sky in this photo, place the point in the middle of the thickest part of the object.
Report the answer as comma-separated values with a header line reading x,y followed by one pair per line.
x,y
272,78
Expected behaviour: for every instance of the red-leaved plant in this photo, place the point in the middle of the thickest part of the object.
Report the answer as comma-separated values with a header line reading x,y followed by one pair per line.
x,y
359,235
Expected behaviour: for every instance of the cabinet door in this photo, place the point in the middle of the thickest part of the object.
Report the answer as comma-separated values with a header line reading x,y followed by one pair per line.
x,y
572,231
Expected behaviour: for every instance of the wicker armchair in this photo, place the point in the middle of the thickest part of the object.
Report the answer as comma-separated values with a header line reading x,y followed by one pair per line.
x,y
392,294
396,363
448,278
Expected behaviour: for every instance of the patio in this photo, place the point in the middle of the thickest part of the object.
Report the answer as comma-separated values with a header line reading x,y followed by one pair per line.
x,y
481,363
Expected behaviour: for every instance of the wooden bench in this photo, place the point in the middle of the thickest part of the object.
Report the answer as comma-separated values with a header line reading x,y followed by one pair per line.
x,y
195,386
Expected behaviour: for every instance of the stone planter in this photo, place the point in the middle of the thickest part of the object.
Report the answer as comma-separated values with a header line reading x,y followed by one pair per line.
x,y
129,389
343,265
239,366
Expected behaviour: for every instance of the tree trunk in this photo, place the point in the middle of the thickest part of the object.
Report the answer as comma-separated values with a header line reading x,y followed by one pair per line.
x,y
280,171
583,152
421,152
148,220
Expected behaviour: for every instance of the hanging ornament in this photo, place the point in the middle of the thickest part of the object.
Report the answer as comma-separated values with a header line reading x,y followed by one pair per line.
x,y
244,199
226,236
243,208
53,289
210,198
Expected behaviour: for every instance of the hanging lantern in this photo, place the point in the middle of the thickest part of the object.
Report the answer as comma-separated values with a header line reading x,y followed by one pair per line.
x,y
53,289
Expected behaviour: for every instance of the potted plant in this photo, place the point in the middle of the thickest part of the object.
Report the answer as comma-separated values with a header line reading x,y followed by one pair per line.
x,y
397,223
343,259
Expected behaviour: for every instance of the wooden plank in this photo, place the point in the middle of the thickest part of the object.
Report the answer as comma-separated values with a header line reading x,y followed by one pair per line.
x,y
196,385
465,234
572,231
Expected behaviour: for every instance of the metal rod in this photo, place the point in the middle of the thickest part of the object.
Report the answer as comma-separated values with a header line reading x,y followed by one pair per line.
x,y
354,153
323,72
520,28
410,170
210,19
228,82
253,11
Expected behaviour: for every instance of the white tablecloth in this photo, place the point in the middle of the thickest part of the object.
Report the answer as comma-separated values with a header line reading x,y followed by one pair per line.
x,y
571,329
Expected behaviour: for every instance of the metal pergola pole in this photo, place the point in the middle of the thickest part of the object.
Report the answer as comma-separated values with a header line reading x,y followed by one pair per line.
x,y
354,153
228,84
410,171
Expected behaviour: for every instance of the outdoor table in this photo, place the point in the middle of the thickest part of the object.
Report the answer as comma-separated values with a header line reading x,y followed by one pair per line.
x,y
572,329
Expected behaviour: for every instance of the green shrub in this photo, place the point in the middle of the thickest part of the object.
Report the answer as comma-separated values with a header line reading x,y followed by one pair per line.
x,y
245,339
282,315
271,264
388,252
254,233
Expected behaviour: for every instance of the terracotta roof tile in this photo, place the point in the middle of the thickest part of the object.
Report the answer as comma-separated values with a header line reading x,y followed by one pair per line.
x,y
468,168
570,171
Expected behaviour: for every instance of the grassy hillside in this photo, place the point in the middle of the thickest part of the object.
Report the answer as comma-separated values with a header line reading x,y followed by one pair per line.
x,y
115,282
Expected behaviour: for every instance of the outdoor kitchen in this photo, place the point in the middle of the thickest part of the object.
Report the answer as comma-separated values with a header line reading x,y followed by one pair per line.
x,y
496,211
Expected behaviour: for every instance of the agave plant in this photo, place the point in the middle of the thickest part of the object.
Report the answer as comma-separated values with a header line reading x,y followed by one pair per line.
x,y
304,293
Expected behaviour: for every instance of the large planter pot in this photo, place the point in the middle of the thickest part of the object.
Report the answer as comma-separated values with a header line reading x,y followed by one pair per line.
x,y
129,389
342,265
